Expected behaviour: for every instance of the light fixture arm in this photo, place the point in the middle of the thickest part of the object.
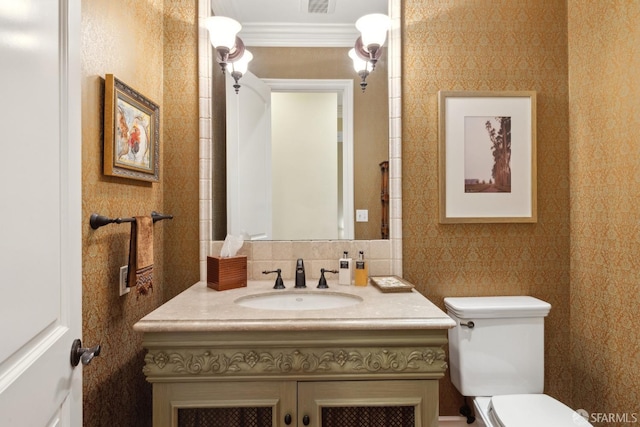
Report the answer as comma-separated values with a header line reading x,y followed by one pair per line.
x,y
225,56
370,53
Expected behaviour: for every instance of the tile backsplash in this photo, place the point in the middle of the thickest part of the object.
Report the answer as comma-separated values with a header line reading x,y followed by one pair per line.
x,y
263,256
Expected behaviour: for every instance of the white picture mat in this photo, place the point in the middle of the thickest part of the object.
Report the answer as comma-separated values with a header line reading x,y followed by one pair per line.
x,y
519,203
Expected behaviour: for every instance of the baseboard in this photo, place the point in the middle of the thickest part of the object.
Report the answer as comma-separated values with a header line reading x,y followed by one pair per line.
x,y
448,421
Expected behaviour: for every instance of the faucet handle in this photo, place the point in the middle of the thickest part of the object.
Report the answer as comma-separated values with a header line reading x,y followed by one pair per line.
x,y
279,283
322,284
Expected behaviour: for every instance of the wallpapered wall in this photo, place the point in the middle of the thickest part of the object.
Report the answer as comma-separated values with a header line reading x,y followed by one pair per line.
x,y
448,45
488,45
604,65
151,46
181,179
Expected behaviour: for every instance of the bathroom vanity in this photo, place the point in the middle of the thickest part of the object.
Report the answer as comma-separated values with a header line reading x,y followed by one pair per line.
x,y
257,356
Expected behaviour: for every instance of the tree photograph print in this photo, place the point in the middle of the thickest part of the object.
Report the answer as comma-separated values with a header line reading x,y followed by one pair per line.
x,y
487,154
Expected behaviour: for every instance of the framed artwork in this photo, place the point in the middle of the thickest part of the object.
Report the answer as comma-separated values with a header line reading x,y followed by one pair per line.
x,y
131,133
487,156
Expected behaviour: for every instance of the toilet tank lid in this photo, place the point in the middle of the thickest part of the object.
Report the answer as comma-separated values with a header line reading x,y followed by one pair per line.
x,y
496,307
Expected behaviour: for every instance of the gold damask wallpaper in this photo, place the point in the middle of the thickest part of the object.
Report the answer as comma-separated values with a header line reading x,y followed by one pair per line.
x,y
581,57
604,111
181,162
488,45
122,38
151,46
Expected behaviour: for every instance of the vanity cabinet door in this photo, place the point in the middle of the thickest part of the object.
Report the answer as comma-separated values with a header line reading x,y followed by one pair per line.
x,y
407,403
224,404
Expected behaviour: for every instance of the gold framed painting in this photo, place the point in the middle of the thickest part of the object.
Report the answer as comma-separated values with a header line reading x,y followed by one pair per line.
x,y
131,133
487,157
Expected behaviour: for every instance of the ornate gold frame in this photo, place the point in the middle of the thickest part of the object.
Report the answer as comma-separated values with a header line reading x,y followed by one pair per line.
x,y
131,133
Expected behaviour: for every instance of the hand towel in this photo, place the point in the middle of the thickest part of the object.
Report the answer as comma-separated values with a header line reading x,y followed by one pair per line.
x,y
141,255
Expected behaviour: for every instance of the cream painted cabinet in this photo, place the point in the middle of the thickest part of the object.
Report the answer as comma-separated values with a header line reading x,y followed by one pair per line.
x,y
256,379
213,363
409,403
371,403
224,404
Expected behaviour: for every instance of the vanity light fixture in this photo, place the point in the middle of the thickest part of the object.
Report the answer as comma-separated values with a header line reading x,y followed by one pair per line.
x,y
368,48
240,67
229,47
361,66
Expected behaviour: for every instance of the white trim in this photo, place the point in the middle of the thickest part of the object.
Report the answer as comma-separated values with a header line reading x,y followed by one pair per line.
x,y
345,87
71,227
298,35
395,135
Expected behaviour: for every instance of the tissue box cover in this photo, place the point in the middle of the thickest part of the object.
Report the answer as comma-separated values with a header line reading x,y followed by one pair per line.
x,y
226,273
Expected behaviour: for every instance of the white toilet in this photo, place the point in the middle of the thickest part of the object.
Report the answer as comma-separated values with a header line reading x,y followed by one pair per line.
x,y
496,357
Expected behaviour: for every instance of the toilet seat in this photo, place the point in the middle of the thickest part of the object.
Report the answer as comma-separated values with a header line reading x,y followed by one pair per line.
x,y
531,410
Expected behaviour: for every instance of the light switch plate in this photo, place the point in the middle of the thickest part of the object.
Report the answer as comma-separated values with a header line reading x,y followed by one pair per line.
x,y
362,215
124,275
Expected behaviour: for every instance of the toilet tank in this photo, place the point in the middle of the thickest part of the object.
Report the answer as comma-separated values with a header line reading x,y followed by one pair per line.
x,y
503,353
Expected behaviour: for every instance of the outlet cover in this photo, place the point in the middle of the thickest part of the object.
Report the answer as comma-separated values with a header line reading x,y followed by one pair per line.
x,y
124,275
362,215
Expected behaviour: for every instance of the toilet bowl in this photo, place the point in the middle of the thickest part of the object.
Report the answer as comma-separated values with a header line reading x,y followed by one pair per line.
x,y
496,357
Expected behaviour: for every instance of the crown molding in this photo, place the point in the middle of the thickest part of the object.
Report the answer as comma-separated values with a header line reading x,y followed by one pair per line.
x,y
299,35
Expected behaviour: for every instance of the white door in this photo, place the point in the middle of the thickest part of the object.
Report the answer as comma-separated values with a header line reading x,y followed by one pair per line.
x,y
249,158
304,146
40,214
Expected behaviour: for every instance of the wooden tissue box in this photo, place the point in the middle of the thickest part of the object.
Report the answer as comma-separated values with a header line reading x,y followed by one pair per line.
x,y
226,273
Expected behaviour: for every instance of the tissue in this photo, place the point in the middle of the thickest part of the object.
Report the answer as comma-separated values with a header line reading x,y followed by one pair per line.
x,y
231,246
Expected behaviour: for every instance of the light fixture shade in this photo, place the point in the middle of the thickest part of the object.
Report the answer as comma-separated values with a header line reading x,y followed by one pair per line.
x,y
359,64
242,64
222,31
373,28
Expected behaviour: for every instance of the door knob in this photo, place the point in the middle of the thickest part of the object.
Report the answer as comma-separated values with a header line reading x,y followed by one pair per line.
x,y
305,420
82,354
287,419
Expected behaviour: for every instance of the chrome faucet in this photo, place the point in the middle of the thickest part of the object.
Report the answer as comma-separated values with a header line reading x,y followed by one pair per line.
x,y
301,281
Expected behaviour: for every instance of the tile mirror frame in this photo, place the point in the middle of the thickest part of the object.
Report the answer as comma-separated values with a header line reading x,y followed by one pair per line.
x,y
205,68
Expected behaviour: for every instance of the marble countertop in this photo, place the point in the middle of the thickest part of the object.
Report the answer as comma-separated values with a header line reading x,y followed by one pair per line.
x,y
201,309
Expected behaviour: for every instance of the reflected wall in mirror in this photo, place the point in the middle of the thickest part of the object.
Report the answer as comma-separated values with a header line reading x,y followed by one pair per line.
x,y
368,146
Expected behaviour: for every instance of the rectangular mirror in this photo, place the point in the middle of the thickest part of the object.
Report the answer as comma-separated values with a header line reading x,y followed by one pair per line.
x,y
245,198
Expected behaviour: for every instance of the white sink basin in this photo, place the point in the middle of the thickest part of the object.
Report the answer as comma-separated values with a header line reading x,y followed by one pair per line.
x,y
299,300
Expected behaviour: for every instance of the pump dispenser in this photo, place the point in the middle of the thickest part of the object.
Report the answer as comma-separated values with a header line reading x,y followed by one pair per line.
x,y
362,271
346,269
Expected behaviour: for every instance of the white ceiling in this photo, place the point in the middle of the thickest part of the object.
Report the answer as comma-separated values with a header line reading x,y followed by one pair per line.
x,y
289,23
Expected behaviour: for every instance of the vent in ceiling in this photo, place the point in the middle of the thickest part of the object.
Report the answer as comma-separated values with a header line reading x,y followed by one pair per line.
x,y
321,6
318,6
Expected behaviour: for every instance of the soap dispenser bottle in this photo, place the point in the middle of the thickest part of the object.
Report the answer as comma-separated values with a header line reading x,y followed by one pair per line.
x,y
346,269
362,271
